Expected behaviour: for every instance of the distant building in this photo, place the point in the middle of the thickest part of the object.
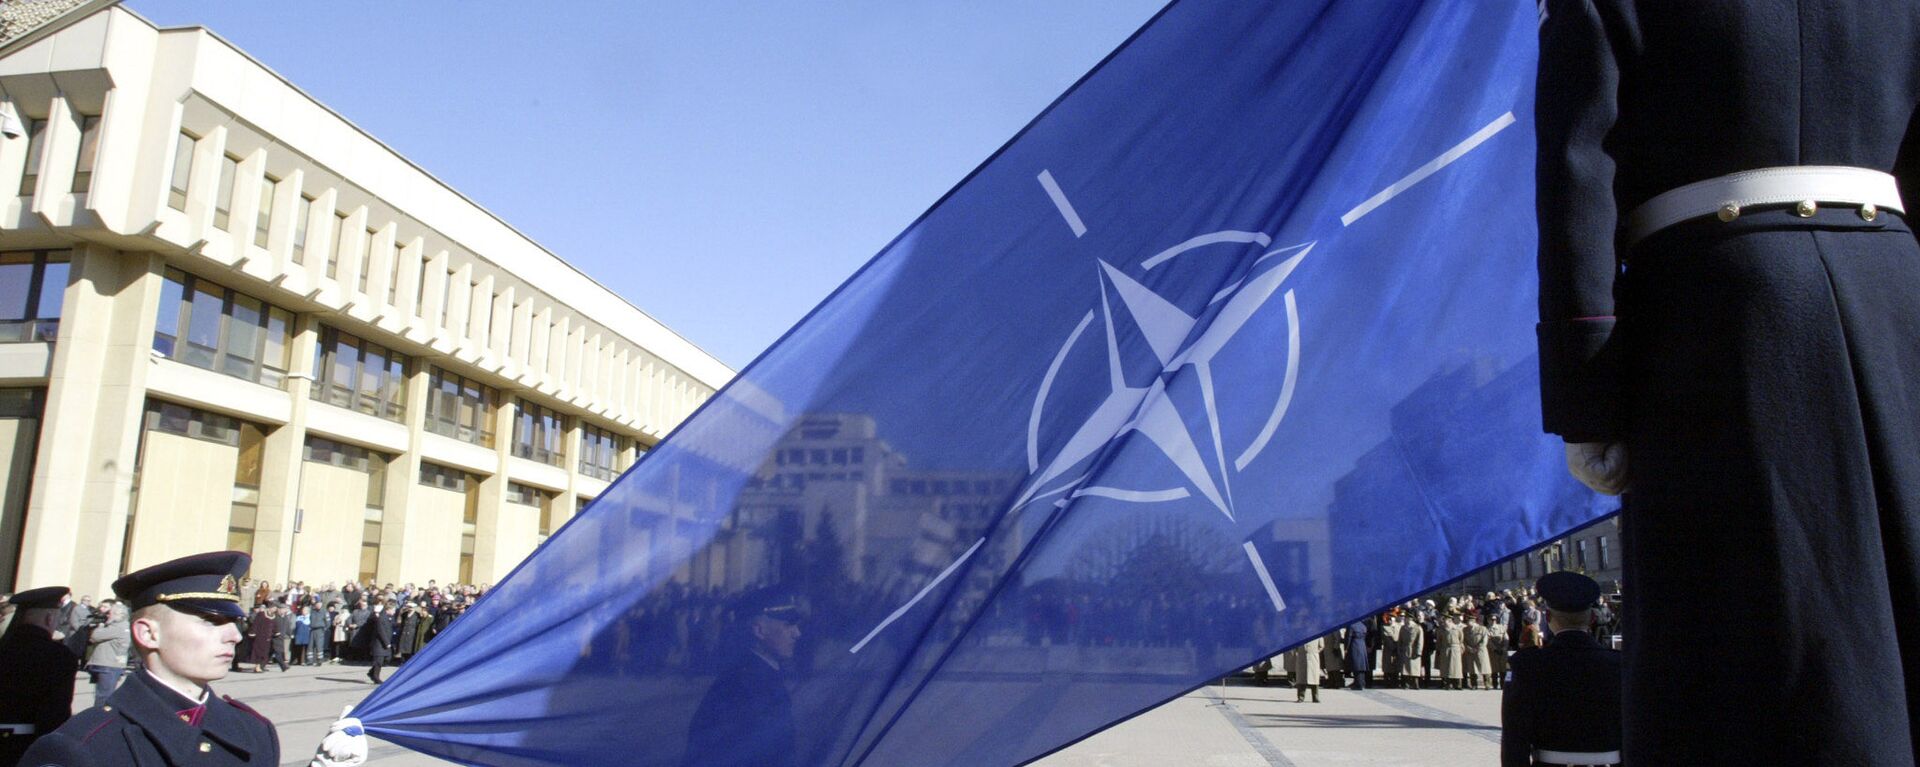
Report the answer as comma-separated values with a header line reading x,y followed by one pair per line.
x,y
231,319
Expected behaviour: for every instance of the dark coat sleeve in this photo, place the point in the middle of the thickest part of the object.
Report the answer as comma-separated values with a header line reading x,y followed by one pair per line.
x,y
1574,108
1906,168
1518,706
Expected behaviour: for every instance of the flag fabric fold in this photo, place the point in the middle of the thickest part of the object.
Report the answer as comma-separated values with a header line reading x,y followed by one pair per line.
x,y
1229,347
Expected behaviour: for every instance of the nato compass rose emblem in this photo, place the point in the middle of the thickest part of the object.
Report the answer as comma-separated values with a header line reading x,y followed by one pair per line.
x,y
1190,441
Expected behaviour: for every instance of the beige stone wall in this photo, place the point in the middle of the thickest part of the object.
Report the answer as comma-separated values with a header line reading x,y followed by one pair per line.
x,y
431,545
16,475
515,537
333,503
185,499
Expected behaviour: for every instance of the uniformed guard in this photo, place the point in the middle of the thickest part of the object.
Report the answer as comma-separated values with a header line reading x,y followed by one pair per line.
x,y
183,627
36,673
1727,325
1561,705
746,717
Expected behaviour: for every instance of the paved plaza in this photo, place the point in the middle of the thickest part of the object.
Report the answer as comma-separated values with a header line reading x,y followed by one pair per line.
x,y
1236,726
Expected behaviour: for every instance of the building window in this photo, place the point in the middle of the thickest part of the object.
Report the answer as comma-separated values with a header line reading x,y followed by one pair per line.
x,y
89,149
302,208
352,373
1580,554
366,260
208,326
600,452
333,254
393,278
223,194
183,147
370,462
539,434
445,477
36,144
33,284
263,217
527,495
180,420
460,407
1603,552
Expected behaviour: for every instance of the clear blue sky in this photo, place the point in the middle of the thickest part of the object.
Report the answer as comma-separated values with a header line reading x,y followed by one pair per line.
x,y
721,164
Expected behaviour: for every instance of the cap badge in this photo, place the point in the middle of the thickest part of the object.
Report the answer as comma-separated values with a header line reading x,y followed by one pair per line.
x,y
228,586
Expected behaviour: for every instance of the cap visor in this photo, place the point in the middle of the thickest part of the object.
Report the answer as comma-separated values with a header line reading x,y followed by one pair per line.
x,y
213,607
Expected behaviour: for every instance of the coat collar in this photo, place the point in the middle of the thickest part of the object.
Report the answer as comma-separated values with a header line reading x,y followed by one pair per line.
x,y
166,717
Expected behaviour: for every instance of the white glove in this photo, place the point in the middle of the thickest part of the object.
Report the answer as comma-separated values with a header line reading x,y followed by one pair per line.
x,y
345,744
1599,465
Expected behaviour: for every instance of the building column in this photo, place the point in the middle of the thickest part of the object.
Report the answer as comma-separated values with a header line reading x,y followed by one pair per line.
x,y
281,464
402,476
90,433
488,566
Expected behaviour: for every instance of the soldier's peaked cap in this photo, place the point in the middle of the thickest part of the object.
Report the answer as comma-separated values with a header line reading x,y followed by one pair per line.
x,y
40,598
1567,591
772,603
205,583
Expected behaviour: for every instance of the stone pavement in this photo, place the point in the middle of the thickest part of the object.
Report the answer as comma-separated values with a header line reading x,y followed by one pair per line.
x,y
1239,725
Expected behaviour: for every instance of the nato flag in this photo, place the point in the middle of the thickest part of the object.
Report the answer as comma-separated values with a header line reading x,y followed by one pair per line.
x,y
1229,347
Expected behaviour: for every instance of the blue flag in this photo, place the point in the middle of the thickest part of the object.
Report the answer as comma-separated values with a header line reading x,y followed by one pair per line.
x,y
1231,346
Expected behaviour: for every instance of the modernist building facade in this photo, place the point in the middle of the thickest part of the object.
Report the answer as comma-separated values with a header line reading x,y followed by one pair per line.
x,y
231,319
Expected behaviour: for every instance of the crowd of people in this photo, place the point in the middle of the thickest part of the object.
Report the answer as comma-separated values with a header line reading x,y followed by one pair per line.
x,y
291,624
1459,642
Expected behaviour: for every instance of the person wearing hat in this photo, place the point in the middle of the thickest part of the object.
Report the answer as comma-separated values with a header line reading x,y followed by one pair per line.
x,y
1561,705
184,630
746,717
36,673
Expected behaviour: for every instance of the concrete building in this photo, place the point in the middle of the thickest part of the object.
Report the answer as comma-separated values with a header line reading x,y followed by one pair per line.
x,y
231,319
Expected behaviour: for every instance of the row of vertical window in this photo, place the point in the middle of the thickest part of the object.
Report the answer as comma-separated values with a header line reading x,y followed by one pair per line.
x,y
33,284
445,477
600,452
459,407
480,311
249,438
538,434
356,374
212,327
83,161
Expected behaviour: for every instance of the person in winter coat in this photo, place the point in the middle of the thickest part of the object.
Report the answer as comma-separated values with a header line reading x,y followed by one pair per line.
x,y
1303,668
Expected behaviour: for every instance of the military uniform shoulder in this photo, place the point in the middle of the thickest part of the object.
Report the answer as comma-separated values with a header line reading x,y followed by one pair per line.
x,y
248,710
69,746
1525,655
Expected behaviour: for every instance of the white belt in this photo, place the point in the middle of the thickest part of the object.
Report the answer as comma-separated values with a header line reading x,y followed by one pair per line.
x,y
17,729
1804,186
1576,757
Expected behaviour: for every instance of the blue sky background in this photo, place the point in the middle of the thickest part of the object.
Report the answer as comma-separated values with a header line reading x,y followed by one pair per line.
x,y
721,164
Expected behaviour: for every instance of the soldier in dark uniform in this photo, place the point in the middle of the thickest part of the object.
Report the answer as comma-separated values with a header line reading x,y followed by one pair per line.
x,y
1729,333
184,628
746,718
1561,705
36,673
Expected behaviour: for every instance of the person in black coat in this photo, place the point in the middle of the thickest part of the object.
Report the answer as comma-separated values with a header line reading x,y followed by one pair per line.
x,y
746,717
36,673
1561,703
377,639
1745,371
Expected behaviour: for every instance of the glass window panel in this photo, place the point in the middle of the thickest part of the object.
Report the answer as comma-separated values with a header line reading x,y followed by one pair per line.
x,y
223,194
395,393
203,325
89,147
263,214
242,345
53,286
279,331
16,285
166,327
373,371
346,360
182,171
302,210
333,253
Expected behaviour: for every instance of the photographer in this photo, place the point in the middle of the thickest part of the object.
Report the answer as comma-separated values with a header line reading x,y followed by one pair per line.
x,y
107,647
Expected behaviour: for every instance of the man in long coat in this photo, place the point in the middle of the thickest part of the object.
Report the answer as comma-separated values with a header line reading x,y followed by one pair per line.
x,y
1448,655
1412,647
1748,377
1474,652
1358,659
1303,669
